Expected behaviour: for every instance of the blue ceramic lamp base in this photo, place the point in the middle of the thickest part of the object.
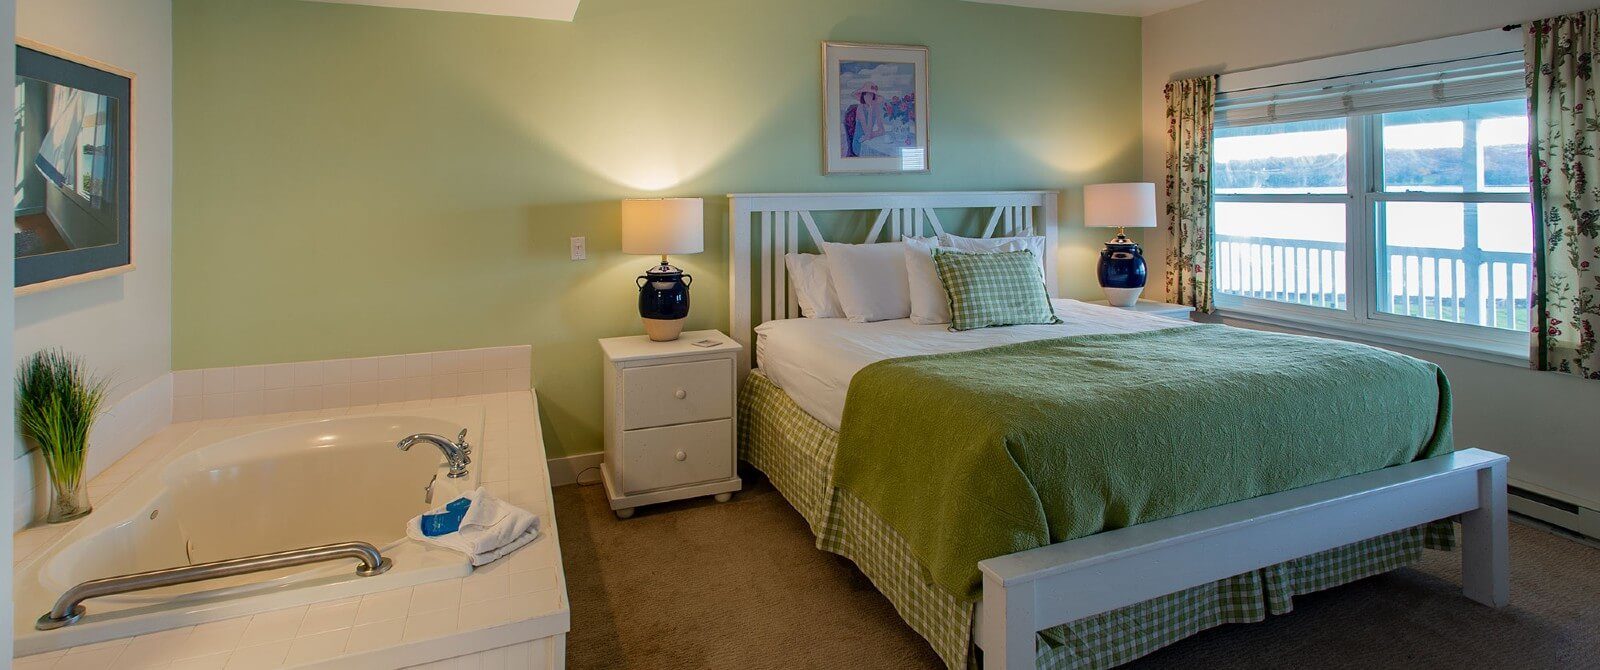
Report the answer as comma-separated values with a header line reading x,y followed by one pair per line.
x,y
1122,271
664,301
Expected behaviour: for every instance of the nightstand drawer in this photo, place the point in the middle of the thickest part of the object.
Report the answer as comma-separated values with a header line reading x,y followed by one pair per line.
x,y
655,458
663,395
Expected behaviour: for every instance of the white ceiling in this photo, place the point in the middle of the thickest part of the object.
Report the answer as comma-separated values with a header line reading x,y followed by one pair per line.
x,y
1122,7
564,10
558,10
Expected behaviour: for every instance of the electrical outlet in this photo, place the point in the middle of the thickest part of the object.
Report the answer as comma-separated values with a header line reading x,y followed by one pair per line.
x,y
580,248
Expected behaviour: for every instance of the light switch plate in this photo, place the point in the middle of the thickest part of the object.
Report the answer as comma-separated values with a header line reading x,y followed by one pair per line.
x,y
580,248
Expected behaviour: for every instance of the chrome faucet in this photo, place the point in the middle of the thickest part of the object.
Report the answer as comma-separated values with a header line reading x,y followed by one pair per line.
x,y
454,452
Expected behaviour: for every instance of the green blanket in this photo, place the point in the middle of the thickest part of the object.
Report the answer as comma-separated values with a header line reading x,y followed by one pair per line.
x,y
983,453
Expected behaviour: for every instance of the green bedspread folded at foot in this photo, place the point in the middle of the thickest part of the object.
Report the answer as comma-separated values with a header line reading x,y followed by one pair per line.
x,y
978,454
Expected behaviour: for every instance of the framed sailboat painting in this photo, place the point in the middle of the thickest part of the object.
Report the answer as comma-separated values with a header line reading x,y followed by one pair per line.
x,y
73,195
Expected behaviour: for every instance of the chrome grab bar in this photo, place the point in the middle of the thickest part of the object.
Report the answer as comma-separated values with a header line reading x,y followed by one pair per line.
x,y
69,607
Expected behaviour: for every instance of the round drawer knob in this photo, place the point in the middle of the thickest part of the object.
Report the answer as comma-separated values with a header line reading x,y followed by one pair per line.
x,y
680,456
680,394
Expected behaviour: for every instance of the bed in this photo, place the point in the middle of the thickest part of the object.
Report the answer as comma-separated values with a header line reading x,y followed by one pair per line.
x,y
1038,594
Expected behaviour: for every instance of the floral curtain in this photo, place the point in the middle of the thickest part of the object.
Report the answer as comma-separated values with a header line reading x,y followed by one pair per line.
x,y
1189,107
1565,119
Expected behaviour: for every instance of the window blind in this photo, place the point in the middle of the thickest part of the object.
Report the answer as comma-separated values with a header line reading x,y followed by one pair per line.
x,y
1458,82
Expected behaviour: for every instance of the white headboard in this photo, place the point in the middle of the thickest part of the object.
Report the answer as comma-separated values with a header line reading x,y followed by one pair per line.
x,y
784,220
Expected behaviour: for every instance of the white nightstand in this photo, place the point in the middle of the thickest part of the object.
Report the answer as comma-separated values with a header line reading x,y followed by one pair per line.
x,y
669,412
1168,310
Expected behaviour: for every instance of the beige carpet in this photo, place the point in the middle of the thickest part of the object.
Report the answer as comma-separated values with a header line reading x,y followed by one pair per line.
x,y
697,584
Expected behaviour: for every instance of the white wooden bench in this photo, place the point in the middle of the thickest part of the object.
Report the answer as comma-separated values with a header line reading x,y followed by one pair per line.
x,y
1033,590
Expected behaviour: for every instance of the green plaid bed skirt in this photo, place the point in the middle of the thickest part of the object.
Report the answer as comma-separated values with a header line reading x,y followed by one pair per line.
x,y
795,452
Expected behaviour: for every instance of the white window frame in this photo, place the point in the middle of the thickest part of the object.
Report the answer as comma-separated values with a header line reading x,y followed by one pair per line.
x,y
1364,194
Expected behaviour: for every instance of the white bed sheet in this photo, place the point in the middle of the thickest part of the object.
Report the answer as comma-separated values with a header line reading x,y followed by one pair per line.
x,y
813,360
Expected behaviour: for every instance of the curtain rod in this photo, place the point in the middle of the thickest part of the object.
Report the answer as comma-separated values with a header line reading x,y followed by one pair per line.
x,y
1485,33
1511,26
1359,74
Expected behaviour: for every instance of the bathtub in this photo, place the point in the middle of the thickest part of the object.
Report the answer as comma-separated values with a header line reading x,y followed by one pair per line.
x,y
234,491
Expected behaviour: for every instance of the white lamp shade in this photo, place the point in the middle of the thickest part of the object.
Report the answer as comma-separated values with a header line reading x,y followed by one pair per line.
x,y
661,226
1119,205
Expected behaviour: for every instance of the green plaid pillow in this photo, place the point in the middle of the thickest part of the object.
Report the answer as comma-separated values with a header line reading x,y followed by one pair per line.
x,y
993,289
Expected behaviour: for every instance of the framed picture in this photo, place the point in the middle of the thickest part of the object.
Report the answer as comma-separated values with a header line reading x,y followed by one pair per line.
x,y
72,200
874,108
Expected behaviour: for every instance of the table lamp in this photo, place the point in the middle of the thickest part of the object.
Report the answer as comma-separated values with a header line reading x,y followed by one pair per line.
x,y
1122,270
658,227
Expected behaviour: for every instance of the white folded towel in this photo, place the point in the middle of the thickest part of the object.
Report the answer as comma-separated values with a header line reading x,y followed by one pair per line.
x,y
490,529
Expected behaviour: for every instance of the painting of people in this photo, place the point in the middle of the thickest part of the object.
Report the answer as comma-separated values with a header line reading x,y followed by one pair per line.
x,y
876,108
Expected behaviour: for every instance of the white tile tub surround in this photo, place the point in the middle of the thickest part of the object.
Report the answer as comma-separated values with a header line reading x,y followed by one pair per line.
x,y
220,393
525,655
215,393
513,612
125,424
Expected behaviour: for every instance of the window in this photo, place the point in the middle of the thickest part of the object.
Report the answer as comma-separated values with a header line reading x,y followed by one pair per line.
x,y
1454,227
1281,212
1414,222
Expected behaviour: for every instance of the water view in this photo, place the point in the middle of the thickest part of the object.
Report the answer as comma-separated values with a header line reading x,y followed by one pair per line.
x,y
1452,225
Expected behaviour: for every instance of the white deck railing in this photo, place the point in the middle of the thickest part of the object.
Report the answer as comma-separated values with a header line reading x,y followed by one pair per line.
x,y
1472,286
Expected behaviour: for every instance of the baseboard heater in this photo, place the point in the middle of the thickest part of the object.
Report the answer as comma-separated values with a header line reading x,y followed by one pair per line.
x,y
1576,518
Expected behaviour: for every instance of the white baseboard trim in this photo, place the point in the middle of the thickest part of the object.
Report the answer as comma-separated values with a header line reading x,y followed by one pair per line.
x,y
1582,520
566,470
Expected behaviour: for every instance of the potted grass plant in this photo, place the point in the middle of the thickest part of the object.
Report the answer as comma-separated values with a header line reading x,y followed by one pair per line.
x,y
58,400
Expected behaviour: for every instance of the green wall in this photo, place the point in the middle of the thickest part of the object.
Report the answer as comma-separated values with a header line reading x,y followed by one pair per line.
x,y
354,181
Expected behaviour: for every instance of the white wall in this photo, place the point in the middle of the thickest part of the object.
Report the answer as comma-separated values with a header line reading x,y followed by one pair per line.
x,y
7,320
122,325
1544,421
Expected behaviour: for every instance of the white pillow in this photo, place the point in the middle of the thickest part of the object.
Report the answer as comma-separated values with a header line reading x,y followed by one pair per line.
x,y
808,275
929,302
870,280
993,244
